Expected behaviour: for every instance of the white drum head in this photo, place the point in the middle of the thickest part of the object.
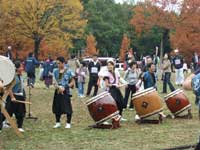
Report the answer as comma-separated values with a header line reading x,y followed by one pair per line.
x,y
138,94
7,70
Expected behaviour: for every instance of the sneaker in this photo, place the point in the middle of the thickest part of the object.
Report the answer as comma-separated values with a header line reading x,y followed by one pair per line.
x,y
123,119
105,123
57,125
68,126
137,117
162,114
21,130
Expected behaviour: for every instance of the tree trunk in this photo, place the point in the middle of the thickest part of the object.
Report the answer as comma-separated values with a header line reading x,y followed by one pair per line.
x,y
161,49
163,42
37,41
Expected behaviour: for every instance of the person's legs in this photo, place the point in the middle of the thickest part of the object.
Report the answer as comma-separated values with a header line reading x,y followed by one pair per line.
x,y
89,86
68,124
95,86
181,76
20,120
169,82
79,88
177,77
127,92
165,83
133,90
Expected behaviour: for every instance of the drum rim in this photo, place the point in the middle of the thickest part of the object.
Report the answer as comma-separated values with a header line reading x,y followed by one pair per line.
x,y
12,69
107,117
141,93
183,109
152,113
93,99
172,94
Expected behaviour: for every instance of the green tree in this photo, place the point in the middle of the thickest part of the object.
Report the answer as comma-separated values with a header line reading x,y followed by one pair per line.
x,y
108,21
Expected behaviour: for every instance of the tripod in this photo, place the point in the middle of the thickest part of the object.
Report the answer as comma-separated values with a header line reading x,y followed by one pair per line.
x,y
29,100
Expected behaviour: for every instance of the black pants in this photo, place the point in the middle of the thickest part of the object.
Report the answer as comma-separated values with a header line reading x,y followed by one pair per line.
x,y
69,117
92,82
130,89
31,78
167,77
19,118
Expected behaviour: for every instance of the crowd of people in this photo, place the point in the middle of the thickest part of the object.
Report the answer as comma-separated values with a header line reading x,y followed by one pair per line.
x,y
136,77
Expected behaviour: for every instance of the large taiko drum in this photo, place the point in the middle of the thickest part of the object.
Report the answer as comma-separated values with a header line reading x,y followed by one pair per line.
x,y
102,107
147,103
7,70
177,102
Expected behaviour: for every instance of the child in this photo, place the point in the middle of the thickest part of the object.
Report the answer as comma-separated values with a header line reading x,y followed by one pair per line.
x,y
81,72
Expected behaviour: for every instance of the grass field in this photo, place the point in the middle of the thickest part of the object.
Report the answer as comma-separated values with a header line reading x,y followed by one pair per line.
x,y
40,135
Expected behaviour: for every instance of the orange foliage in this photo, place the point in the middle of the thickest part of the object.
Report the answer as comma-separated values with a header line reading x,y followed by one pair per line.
x,y
149,14
91,46
187,35
124,47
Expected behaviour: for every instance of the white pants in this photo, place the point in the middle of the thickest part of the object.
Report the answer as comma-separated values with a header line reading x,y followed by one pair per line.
x,y
179,76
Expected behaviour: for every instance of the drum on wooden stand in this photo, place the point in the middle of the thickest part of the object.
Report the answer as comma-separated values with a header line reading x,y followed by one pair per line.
x,y
147,103
7,72
177,102
102,107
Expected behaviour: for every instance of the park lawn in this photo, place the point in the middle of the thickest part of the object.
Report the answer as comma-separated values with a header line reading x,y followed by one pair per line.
x,y
40,135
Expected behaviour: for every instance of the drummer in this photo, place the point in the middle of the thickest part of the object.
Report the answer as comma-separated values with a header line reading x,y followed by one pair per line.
x,y
64,78
112,78
149,79
17,93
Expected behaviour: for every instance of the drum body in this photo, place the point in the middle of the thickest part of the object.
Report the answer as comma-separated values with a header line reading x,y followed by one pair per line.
x,y
177,102
147,103
102,107
7,72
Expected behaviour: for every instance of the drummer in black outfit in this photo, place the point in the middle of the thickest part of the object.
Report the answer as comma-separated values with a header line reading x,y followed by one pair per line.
x,y
111,78
17,93
93,68
64,80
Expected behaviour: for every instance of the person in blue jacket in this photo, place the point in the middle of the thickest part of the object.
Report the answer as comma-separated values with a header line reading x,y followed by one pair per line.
x,y
63,81
30,65
149,77
48,71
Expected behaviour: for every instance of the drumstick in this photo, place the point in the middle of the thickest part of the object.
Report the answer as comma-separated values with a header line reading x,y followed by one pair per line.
x,y
119,86
23,102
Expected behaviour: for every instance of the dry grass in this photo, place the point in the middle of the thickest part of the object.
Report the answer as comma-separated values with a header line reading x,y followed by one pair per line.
x,y
40,135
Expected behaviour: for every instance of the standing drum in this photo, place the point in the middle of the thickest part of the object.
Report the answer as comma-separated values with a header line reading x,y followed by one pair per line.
x,y
177,102
147,103
7,72
102,107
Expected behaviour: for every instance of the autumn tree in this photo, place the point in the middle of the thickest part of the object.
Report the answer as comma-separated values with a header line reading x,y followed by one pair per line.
x,y
187,34
155,13
91,46
124,47
57,21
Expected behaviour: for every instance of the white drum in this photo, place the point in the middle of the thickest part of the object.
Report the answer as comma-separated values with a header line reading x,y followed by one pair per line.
x,y
7,70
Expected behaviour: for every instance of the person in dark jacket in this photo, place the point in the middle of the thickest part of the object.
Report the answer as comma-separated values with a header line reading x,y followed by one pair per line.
x,y
93,68
30,65
48,67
